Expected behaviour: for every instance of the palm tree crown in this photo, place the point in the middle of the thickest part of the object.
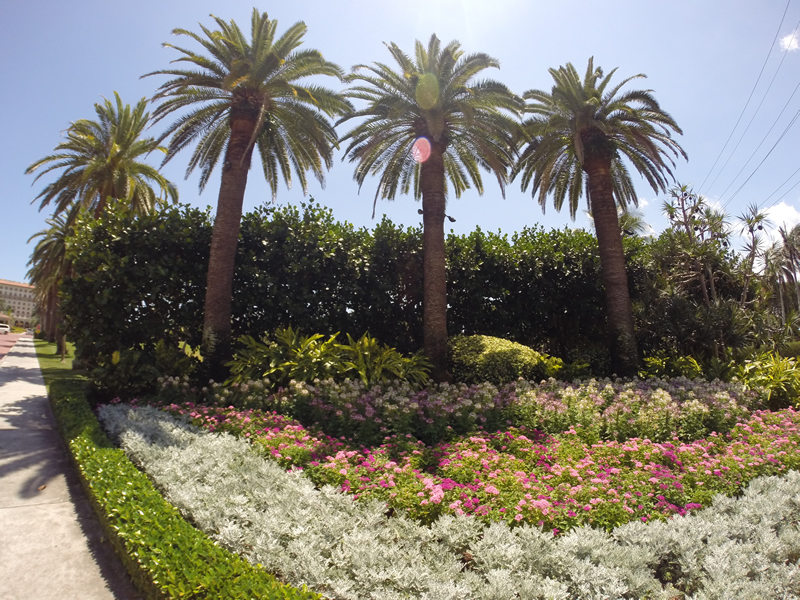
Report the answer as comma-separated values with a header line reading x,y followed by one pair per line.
x,y
589,127
424,127
258,80
578,120
432,97
99,163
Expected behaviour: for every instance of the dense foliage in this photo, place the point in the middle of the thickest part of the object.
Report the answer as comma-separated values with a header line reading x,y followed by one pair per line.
x,y
138,280
292,356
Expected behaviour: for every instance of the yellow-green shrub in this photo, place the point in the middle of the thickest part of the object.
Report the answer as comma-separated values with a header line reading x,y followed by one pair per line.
x,y
481,358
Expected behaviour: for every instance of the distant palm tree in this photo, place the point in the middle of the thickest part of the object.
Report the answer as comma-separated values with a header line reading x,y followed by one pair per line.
x,y
774,274
791,250
426,126
100,163
586,127
48,267
245,95
631,222
752,222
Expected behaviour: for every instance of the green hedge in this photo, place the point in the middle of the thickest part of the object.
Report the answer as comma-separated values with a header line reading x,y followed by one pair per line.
x,y
139,280
165,555
480,358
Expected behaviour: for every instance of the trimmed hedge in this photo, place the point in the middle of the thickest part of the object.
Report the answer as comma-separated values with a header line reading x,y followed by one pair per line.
x,y
164,554
481,358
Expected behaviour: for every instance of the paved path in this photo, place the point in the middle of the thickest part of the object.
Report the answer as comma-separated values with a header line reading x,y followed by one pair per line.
x,y
51,545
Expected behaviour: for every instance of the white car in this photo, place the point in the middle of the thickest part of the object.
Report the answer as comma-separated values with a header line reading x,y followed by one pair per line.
x,y
5,329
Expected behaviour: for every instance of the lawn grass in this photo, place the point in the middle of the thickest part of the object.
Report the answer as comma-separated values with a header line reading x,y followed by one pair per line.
x,y
53,368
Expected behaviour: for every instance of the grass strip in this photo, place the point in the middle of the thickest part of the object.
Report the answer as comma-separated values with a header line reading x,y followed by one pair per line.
x,y
165,555
53,368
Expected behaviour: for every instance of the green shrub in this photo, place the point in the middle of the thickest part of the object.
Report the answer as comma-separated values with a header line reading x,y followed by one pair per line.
x,y
777,377
289,356
292,356
374,364
134,372
165,556
791,350
481,358
663,366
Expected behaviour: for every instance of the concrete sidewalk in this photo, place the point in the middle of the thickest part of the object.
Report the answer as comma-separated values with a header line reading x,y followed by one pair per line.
x,y
51,545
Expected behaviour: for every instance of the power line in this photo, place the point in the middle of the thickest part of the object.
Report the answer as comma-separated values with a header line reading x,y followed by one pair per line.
x,y
746,129
785,131
766,135
785,181
777,33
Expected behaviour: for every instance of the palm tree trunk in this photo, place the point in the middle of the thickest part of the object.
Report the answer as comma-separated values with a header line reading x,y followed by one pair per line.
x,y
434,303
612,262
52,321
224,239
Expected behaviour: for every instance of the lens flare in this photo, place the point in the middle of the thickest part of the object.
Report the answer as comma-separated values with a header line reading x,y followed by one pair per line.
x,y
421,150
427,91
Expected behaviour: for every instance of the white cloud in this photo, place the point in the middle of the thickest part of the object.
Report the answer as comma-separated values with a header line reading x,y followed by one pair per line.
x,y
791,42
781,215
643,203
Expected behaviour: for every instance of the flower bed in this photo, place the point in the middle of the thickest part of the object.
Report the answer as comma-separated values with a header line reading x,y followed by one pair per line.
x,y
519,476
743,548
653,409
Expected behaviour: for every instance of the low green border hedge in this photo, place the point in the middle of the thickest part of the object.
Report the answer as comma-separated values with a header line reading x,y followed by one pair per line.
x,y
164,554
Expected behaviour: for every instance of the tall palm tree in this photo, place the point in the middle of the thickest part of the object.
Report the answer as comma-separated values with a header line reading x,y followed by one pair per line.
x,y
244,95
428,126
100,163
48,266
587,128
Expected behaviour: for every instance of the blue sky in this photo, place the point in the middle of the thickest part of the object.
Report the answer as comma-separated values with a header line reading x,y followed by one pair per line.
x,y
702,59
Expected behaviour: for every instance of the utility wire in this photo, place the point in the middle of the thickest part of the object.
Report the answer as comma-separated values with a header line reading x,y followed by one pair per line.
x,y
785,131
746,129
779,187
777,33
759,145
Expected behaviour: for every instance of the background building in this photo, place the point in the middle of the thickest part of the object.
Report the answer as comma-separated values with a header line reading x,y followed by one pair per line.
x,y
17,303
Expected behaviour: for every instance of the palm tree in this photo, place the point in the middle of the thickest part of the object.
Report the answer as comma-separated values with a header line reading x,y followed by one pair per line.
x,y
426,127
791,250
631,222
100,164
774,274
752,221
587,127
48,266
242,95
